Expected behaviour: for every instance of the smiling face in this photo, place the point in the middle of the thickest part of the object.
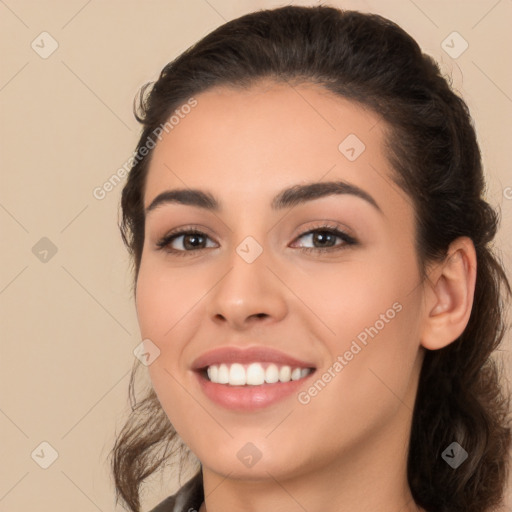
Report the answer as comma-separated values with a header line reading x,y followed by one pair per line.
x,y
325,279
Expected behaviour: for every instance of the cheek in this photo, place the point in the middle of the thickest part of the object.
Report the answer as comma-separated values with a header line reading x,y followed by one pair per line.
x,y
164,303
375,314
163,298
363,291
372,310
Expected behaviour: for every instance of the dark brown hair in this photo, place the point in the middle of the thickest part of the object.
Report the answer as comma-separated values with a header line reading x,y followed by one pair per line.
x,y
433,150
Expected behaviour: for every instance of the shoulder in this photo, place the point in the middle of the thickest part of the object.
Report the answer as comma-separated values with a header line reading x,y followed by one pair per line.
x,y
188,498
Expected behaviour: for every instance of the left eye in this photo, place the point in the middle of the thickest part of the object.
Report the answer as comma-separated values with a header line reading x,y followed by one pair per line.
x,y
326,237
193,240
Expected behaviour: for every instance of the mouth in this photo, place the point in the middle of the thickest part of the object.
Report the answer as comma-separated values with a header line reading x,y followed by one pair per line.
x,y
250,379
254,374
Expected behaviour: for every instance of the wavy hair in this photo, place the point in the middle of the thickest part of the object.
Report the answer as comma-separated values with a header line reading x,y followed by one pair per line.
x,y
434,153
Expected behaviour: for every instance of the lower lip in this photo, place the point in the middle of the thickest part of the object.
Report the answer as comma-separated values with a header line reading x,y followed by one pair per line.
x,y
249,398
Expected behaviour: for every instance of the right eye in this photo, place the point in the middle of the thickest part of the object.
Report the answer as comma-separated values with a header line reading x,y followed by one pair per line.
x,y
192,240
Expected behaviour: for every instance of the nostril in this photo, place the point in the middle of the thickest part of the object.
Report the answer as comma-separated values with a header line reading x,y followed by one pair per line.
x,y
260,315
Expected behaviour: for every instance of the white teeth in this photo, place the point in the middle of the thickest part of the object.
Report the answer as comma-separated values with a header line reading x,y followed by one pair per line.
x,y
254,374
285,374
271,374
296,373
213,373
223,377
237,375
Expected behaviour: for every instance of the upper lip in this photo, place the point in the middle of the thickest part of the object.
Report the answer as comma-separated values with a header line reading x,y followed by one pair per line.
x,y
247,356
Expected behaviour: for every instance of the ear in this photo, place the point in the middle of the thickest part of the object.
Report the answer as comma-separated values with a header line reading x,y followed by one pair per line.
x,y
449,295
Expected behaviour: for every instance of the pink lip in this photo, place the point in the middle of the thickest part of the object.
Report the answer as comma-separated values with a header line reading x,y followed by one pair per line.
x,y
247,356
248,398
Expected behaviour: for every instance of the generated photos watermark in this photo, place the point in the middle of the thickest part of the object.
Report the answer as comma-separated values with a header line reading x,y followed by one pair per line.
x,y
100,192
357,345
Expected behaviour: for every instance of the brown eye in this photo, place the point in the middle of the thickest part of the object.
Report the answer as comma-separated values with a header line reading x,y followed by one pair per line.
x,y
191,241
324,239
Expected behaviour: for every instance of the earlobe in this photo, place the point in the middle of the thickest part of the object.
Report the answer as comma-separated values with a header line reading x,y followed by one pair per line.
x,y
449,299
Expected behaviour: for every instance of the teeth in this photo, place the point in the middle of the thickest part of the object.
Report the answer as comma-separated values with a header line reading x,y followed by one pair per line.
x,y
271,374
285,374
296,374
213,373
223,376
254,374
237,376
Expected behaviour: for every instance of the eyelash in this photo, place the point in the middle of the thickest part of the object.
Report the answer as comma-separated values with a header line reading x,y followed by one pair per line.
x,y
163,243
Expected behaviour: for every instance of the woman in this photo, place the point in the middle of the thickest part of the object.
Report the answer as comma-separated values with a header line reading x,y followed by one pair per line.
x,y
312,276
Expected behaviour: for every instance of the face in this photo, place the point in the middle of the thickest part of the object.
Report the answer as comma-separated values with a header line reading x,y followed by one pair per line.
x,y
315,292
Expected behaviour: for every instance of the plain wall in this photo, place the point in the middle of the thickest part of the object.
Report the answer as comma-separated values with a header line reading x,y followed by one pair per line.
x,y
68,319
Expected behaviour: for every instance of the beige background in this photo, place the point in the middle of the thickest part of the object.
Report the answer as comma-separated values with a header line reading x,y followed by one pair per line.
x,y
68,324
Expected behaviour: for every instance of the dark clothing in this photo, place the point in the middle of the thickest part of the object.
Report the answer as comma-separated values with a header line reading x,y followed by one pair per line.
x,y
188,498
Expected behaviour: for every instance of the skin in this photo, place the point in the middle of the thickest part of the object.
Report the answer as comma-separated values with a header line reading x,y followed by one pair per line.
x,y
346,450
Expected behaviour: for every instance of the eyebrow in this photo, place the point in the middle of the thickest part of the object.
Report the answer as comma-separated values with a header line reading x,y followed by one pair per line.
x,y
297,194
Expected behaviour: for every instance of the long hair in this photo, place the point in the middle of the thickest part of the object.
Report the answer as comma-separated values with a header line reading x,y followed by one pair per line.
x,y
436,160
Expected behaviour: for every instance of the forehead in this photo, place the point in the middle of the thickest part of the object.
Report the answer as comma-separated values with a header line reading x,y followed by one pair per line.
x,y
268,136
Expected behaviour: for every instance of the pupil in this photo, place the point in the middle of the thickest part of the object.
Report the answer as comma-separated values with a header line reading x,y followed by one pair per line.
x,y
322,236
191,237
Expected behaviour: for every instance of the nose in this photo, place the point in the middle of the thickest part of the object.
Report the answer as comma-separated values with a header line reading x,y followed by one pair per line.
x,y
248,294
